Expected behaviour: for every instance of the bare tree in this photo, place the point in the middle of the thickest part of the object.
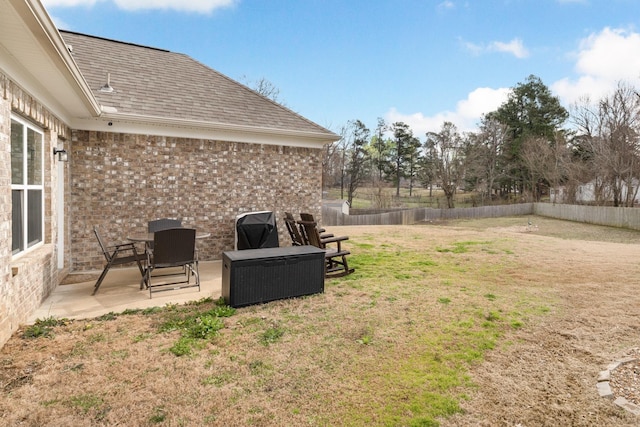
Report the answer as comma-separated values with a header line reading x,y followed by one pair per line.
x,y
414,156
546,163
346,161
380,149
379,152
356,158
265,88
446,151
483,156
332,165
609,140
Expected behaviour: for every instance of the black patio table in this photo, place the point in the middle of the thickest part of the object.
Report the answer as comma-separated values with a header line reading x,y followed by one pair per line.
x,y
148,238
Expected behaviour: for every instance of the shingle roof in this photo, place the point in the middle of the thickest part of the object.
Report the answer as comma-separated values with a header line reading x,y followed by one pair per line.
x,y
158,83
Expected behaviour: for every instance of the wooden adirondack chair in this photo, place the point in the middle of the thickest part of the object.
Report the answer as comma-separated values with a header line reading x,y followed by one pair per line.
x,y
335,256
292,228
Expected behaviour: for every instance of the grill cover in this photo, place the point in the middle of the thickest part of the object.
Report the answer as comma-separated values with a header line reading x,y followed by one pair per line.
x,y
256,230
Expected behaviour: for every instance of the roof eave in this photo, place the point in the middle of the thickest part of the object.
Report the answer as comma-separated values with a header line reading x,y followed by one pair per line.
x,y
139,124
44,30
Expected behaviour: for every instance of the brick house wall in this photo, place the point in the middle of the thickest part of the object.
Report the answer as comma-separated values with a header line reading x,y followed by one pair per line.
x,y
6,323
26,280
120,181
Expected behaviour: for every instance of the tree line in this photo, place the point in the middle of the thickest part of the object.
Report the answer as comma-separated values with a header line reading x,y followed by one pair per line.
x,y
531,146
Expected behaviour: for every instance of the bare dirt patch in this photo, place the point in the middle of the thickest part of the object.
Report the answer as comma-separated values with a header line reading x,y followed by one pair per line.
x,y
574,287
548,375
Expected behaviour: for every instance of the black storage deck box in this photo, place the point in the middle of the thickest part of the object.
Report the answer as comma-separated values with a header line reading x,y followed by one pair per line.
x,y
254,276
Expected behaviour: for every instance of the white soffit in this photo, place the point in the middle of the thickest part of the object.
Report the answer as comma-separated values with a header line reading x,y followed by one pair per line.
x,y
122,123
34,56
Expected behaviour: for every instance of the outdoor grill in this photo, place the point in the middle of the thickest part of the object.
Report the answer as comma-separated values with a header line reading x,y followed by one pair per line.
x,y
256,230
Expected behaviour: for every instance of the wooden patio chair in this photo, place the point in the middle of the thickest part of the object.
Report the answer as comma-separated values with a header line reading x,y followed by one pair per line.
x,y
322,231
336,263
174,247
294,231
123,253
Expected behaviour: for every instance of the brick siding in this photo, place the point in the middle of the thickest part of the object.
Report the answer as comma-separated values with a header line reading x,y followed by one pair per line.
x,y
120,181
29,278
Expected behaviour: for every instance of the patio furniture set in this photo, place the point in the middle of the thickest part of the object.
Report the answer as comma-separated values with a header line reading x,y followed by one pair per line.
x,y
167,245
258,271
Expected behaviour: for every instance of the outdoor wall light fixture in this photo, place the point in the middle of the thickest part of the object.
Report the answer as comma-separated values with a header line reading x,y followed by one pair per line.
x,y
63,156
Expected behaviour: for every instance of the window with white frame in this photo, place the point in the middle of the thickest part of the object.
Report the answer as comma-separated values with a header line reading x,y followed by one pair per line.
x,y
27,189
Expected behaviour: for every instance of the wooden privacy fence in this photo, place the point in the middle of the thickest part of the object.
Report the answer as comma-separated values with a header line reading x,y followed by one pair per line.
x,y
331,216
601,215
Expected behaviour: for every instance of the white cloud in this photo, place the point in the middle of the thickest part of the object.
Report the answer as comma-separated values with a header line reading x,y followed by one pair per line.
x,y
60,23
515,47
612,54
569,91
68,3
189,5
474,48
602,61
201,6
481,101
446,5
466,115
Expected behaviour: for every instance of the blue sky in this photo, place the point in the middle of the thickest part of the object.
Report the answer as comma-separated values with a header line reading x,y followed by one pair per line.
x,y
417,61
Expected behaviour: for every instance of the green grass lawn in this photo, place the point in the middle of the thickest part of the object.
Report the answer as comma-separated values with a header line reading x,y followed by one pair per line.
x,y
393,344
366,198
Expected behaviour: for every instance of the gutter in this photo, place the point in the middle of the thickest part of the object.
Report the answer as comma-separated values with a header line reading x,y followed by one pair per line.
x,y
37,17
108,114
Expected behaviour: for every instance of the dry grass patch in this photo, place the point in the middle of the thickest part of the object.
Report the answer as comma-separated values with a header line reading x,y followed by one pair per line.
x,y
474,322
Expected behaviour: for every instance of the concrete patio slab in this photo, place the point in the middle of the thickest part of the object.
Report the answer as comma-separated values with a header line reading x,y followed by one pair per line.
x,y
119,291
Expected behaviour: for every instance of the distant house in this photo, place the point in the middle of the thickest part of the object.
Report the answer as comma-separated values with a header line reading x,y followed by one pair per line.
x,y
340,205
586,193
590,193
148,133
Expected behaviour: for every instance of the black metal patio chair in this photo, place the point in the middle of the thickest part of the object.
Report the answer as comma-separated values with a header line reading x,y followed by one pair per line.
x,y
173,248
123,253
163,224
